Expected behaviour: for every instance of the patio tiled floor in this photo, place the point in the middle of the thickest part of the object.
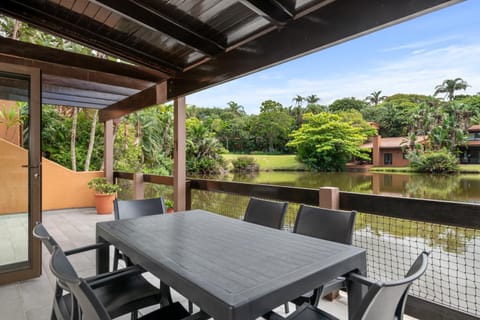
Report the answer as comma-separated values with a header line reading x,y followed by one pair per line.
x,y
32,299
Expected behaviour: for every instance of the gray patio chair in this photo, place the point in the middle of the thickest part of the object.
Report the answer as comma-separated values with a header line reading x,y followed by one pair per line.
x,y
327,224
383,300
128,209
266,213
85,302
130,293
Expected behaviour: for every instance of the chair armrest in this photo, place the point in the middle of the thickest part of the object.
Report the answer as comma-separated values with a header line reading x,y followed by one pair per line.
x,y
95,246
358,278
104,278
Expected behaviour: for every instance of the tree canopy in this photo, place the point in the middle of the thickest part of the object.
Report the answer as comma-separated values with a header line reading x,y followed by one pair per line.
x,y
327,141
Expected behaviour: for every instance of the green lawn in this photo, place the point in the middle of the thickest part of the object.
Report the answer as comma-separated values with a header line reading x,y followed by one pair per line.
x,y
272,162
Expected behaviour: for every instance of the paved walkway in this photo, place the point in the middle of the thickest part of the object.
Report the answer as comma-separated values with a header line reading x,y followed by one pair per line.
x,y
32,299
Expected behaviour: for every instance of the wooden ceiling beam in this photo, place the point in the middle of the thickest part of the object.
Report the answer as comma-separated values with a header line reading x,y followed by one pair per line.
x,y
71,59
159,21
78,74
273,10
154,95
56,19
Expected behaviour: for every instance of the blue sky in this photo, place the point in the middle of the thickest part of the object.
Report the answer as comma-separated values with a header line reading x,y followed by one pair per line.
x,y
411,57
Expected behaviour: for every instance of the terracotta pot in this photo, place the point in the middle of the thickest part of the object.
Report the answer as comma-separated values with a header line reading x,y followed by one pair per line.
x,y
170,210
104,203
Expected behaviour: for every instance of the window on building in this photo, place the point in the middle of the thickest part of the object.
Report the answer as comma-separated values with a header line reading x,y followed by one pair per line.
x,y
474,136
387,158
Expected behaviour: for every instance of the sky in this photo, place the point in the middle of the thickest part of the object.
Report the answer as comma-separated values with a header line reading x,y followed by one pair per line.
x,y
410,57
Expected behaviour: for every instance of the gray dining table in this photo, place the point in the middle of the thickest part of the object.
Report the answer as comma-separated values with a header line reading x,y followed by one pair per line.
x,y
231,269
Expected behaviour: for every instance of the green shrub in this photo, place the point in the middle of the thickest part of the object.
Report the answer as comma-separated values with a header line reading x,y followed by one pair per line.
x,y
102,186
245,164
440,161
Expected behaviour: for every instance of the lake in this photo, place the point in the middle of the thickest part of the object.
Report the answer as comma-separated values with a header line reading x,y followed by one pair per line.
x,y
458,187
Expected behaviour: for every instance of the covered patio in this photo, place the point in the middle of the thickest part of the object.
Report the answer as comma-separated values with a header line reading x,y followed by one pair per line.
x,y
169,50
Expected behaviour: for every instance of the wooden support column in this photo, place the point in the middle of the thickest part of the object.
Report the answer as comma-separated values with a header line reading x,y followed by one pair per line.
x,y
138,186
179,159
108,150
330,199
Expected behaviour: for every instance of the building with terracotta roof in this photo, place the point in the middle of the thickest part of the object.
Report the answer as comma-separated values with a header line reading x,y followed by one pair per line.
x,y
391,151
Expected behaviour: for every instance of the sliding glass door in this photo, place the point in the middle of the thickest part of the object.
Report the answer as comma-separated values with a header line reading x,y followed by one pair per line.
x,y
20,172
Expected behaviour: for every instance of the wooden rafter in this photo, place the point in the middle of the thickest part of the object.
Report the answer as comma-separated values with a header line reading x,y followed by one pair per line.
x,y
159,21
154,95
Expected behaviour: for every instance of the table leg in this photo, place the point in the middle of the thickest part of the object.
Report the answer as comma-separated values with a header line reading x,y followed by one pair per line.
x,y
103,257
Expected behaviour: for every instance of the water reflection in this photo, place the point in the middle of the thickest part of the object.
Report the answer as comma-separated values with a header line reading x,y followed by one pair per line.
x,y
461,187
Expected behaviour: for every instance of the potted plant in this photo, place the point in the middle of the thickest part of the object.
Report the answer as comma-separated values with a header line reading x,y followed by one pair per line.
x,y
169,205
105,193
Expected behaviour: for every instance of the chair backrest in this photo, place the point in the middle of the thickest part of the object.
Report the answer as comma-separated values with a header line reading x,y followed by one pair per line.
x,y
126,209
327,224
266,213
41,233
386,300
89,304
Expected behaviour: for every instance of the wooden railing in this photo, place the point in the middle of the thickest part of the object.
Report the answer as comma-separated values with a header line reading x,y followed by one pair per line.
x,y
445,213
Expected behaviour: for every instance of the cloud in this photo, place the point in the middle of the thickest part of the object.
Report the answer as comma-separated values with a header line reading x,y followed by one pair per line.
x,y
417,72
423,43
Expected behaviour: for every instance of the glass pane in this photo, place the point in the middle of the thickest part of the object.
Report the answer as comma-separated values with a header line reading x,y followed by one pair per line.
x,y
14,96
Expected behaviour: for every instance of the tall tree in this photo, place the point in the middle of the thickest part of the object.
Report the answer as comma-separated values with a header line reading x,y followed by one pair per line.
x,y
298,110
312,99
73,137
235,108
346,104
375,98
449,86
91,141
326,141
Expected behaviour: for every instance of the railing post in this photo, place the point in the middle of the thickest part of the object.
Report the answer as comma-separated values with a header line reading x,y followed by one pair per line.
x,y
179,160
330,199
138,186
108,150
188,196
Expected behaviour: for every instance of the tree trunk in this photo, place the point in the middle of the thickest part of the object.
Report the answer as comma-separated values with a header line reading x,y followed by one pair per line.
x,y
73,138
166,138
91,142
16,30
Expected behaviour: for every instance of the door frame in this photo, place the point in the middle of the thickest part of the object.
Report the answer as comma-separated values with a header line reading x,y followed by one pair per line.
x,y
33,268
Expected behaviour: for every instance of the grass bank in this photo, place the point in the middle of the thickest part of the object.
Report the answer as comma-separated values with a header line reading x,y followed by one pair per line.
x,y
282,162
463,168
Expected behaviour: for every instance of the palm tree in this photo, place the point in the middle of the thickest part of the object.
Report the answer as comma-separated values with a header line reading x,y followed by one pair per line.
x,y
235,108
298,109
312,99
375,98
449,87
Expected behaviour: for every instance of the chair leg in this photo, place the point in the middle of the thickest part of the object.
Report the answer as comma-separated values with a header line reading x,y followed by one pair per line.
x,y
116,257
190,306
134,315
165,295
287,308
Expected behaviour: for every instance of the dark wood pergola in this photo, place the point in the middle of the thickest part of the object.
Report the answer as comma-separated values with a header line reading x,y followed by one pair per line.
x,y
185,45
175,48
